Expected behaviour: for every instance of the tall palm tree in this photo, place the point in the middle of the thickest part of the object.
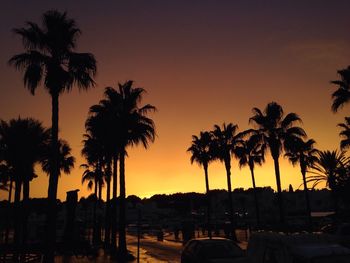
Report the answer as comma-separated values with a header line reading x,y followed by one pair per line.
x,y
342,94
225,141
251,152
331,168
345,134
101,124
303,153
134,128
273,128
202,153
50,58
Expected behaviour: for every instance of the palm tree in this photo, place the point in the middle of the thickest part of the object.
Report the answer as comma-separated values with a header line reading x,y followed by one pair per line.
x,y
65,161
50,58
273,128
22,142
4,177
331,168
225,141
345,134
304,153
93,153
201,150
342,94
101,124
134,128
251,152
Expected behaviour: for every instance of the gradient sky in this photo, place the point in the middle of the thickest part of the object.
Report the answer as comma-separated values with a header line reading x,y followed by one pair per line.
x,y
202,63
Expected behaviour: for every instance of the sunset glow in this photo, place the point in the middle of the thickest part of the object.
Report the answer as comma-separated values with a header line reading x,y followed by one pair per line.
x,y
201,63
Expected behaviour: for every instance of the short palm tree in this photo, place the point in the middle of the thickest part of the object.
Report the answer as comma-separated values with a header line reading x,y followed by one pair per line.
x,y
50,58
331,168
250,152
272,129
65,162
225,141
342,94
22,143
303,153
345,134
93,153
202,153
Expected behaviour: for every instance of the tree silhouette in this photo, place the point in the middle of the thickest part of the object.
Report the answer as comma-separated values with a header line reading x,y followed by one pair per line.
x,y
22,143
65,159
342,94
103,124
345,134
303,153
50,58
331,168
135,128
273,128
225,141
251,152
202,153
93,153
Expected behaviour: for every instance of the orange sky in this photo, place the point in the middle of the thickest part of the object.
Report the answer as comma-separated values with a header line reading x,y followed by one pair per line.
x,y
202,63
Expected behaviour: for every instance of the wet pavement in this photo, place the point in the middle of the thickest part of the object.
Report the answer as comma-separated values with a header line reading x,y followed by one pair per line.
x,y
151,251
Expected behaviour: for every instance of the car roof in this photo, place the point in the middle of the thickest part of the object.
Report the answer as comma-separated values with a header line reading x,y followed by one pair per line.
x,y
210,240
320,250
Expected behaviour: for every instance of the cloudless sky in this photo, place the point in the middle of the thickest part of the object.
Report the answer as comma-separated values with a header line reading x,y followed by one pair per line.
x,y
202,63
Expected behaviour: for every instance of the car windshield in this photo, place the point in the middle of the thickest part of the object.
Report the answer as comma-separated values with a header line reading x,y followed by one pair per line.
x,y
220,250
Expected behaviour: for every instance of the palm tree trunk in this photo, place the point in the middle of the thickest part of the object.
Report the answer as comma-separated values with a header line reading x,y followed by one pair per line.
x,y
208,199
279,191
17,217
53,183
307,199
25,213
114,203
100,191
108,208
232,220
122,221
94,230
8,212
257,212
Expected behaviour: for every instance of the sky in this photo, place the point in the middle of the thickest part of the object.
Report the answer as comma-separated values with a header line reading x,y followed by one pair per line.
x,y
201,63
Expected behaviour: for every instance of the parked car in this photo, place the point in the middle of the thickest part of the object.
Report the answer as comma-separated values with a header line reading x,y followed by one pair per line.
x,y
268,247
340,233
205,250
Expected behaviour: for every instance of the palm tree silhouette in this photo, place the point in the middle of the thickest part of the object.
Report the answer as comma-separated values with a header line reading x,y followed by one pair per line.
x,y
93,153
65,159
50,58
251,152
135,128
103,125
331,168
273,128
345,134
225,141
342,94
22,143
304,153
6,184
202,153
